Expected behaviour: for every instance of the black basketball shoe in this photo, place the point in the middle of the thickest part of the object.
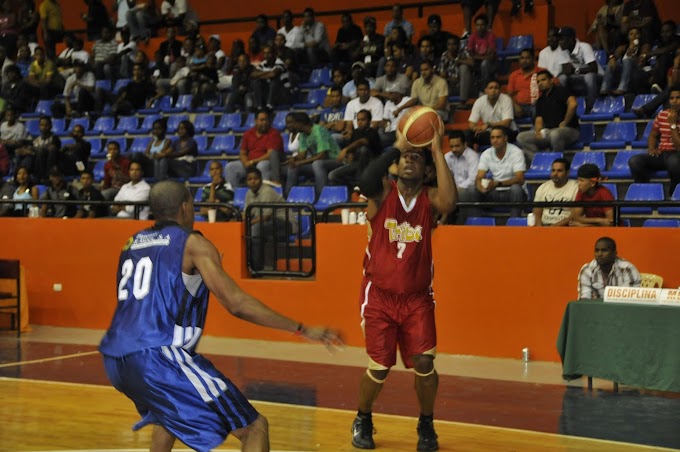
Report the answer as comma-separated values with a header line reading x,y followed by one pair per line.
x,y
362,432
427,438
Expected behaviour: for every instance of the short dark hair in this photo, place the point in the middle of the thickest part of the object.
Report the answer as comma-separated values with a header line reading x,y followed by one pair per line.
x,y
363,82
367,113
114,142
674,88
166,198
88,172
493,80
264,110
529,50
300,117
189,126
544,72
609,241
46,118
254,170
428,62
564,162
457,134
482,17
501,128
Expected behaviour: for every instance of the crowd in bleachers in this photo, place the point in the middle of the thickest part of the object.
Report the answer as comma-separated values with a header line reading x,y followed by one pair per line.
x,y
306,109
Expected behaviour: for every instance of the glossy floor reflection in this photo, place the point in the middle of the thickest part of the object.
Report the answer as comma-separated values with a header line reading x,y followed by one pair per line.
x,y
628,416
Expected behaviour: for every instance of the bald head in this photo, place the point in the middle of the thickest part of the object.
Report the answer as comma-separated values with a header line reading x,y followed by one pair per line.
x,y
166,199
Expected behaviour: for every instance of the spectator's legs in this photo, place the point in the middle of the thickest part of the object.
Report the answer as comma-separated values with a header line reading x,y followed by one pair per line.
x,y
475,196
628,66
345,175
562,137
672,161
235,173
294,174
257,246
321,169
464,195
264,168
610,76
160,169
134,24
487,69
465,82
592,87
660,71
515,194
181,169
275,167
528,142
642,165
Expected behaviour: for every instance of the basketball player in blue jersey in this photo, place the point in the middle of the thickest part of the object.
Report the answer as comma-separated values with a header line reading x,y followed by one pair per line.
x,y
165,275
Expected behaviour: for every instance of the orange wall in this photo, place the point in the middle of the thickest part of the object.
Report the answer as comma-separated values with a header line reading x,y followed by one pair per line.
x,y
497,289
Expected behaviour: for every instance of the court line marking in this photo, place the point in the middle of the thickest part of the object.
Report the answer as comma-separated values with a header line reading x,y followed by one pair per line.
x,y
45,360
338,410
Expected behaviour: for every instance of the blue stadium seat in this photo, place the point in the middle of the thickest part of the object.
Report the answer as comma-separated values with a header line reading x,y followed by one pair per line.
x,y
173,122
249,123
204,177
315,98
199,193
586,136
240,197
541,164
42,108
661,223
587,157
66,141
96,150
227,122
159,105
480,221
279,122
126,124
672,210
331,194
201,144
639,101
104,85
103,125
616,135
183,104
139,144
98,171
642,142
580,106
304,227
643,192
516,221
32,127
515,45
318,77
120,84
223,144
613,189
147,124
204,121
301,193
83,122
620,169
59,126
601,57
605,108
41,190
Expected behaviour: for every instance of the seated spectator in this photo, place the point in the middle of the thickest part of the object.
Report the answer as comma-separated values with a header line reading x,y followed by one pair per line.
x,y
282,51
429,90
522,85
79,91
490,110
263,32
204,80
579,66
363,147
372,47
43,81
317,154
553,56
505,162
58,190
663,147
347,41
72,53
265,224
625,66
293,33
333,114
14,90
399,21
179,83
6,192
218,191
137,190
364,101
105,55
641,14
241,95
455,66
24,189
116,171
126,52
23,61
178,13
589,189
607,25
438,37
349,90
390,120
153,159
653,105
315,39
558,189
481,47
261,146
89,193
391,82
143,19
556,124
171,48
470,7
12,132
9,26
96,17
73,158
270,81
463,162
183,152
607,269
425,53
41,154
137,94
664,52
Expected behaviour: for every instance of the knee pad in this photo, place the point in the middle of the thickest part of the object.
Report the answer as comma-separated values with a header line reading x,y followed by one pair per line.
x,y
372,377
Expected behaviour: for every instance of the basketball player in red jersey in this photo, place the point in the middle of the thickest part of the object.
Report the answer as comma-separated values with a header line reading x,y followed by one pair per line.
x,y
397,303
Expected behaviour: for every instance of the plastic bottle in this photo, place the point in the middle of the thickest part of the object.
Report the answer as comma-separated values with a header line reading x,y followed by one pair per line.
x,y
531,220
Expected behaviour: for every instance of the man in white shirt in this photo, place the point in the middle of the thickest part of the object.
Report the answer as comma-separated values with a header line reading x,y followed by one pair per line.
x,y
558,189
490,110
463,163
395,100
136,190
79,90
12,132
553,56
506,164
270,81
293,34
607,269
579,65
364,101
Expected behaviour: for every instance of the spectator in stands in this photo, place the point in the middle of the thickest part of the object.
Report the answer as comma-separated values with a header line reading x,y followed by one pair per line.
x,y
398,37
590,189
105,55
364,101
22,40
96,17
52,26
29,18
12,132
556,124
558,189
218,191
653,105
438,37
315,39
89,193
41,154
430,90
505,162
462,162
23,189
372,47
5,62
349,90
139,93
261,146
58,190
579,66
364,146
338,80
492,109
426,53
347,41
553,56
263,33
23,60
14,90
183,152
171,48
317,154
67,58
455,66
137,190
663,146
9,26
282,51
270,81
332,116
116,171
641,14
626,65
178,13
43,81
395,100
153,159
399,21
79,91
189,45
126,53
241,95
607,26
522,85
665,53
73,157
403,60
481,47
265,224
470,7
391,82
607,269
202,77
293,33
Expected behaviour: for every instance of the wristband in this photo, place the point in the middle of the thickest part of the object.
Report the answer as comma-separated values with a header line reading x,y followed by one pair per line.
x,y
298,331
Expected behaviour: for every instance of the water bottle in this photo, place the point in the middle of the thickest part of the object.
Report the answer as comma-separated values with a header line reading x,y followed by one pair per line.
x,y
525,354
531,220
352,217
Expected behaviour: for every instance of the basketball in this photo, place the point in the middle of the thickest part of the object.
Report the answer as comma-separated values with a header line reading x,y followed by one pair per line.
x,y
416,126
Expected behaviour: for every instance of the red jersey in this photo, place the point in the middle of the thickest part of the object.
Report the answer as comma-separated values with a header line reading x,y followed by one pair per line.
x,y
399,253
601,194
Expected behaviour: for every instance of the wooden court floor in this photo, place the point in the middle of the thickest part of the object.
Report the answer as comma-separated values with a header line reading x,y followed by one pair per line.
x,y
56,398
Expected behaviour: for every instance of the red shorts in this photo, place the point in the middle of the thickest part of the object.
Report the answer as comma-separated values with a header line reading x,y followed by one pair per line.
x,y
391,320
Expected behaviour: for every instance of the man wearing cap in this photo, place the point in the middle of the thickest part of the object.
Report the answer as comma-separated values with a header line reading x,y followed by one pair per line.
x,y
372,46
579,65
349,90
79,90
393,81
430,90
607,269
399,21
437,36
589,189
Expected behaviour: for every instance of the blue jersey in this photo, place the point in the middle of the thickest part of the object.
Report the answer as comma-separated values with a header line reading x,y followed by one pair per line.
x,y
158,305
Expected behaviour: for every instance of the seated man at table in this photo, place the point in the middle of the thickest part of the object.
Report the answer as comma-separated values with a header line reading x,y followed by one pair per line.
x,y
607,269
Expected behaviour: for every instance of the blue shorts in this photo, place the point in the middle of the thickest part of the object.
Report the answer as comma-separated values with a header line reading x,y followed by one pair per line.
x,y
183,392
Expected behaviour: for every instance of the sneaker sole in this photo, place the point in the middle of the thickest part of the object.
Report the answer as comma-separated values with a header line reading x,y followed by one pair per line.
x,y
362,447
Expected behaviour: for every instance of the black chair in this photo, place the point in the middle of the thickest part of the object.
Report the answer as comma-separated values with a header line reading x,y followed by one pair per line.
x,y
10,302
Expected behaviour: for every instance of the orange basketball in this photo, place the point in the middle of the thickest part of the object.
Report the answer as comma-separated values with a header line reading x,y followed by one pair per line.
x,y
416,126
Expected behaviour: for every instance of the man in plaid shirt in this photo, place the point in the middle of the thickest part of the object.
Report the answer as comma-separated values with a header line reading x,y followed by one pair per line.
x,y
607,269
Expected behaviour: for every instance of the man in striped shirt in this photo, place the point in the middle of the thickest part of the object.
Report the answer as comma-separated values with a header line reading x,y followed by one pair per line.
x,y
607,269
663,146
270,81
